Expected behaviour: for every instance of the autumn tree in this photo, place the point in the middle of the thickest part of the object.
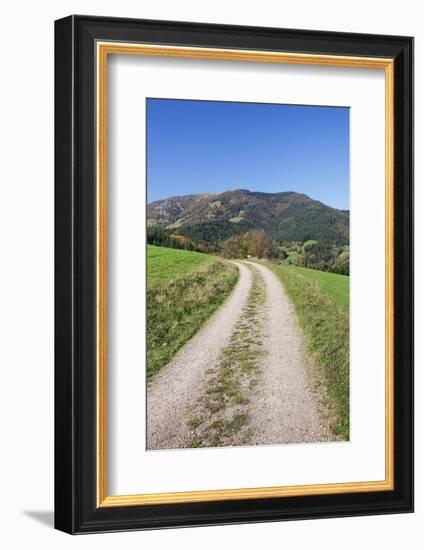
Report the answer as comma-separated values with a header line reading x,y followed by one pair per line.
x,y
259,244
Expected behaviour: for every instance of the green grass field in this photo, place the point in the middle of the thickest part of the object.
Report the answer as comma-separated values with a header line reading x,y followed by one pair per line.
x,y
183,289
321,301
164,264
333,285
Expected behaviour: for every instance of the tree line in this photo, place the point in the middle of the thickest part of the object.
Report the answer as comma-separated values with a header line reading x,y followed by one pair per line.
x,y
255,243
159,237
322,255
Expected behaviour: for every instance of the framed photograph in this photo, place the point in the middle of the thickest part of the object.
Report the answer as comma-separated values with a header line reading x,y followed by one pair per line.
x,y
234,274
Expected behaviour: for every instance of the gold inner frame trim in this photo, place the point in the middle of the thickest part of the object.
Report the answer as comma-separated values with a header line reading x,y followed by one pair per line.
x,y
104,49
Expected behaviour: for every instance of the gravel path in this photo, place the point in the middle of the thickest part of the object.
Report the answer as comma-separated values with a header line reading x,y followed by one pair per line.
x,y
284,409
176,388
279,408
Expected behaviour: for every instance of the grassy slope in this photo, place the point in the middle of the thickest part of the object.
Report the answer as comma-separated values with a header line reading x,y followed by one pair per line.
x,y
333,285
167,263
321,303
183,290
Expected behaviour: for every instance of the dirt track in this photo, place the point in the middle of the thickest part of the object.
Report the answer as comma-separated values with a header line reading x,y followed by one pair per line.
x,y
275,401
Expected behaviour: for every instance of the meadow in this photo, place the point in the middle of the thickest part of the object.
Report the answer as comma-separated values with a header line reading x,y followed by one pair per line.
x,y
321,301
183,289
164,263
333,285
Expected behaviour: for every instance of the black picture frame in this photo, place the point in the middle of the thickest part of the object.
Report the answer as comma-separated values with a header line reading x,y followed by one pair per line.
x,y
76,510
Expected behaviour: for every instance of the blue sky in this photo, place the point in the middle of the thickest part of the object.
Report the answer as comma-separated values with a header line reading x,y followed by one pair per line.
x,y
208,146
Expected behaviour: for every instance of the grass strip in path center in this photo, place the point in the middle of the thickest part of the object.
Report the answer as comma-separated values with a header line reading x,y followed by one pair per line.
x,y
221,417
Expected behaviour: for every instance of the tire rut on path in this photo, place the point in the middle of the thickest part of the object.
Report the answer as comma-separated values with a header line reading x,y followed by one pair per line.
x,y
284,409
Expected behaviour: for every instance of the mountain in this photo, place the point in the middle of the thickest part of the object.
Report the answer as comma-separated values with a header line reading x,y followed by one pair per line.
x,y
285,217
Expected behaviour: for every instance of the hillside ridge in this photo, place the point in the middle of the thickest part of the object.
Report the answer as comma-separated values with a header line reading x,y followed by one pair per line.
x,y
285,216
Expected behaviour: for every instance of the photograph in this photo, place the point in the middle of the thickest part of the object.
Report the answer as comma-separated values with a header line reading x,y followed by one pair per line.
x,y
216,188
247,284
